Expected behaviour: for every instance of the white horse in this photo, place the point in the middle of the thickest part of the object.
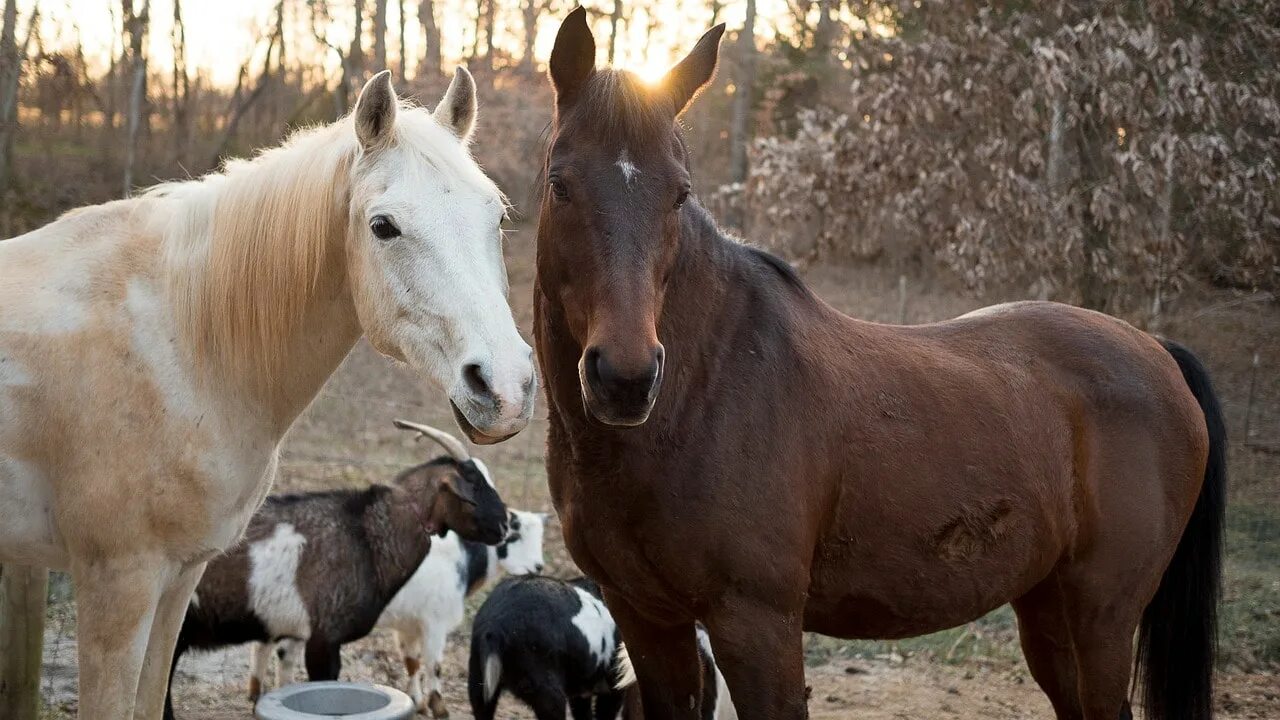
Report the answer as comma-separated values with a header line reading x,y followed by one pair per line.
x,y
154,351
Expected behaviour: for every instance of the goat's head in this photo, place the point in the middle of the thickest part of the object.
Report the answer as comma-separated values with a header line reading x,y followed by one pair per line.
x,y
521,552
455,492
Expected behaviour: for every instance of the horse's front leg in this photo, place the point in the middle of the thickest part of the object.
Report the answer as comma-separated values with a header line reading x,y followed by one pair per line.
x,y
760,651
158,662
116,601
665,658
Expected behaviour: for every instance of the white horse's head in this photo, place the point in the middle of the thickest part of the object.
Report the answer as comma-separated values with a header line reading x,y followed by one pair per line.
x,y
425,256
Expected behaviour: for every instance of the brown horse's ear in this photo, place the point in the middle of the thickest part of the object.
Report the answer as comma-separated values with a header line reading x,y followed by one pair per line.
x,y
573,58
696,70
375,113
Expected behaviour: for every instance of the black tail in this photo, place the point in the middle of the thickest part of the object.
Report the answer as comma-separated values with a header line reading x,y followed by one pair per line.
x,y
1179,635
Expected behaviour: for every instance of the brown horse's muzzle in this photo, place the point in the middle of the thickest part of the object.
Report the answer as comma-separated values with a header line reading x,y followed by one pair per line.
x,y
620,393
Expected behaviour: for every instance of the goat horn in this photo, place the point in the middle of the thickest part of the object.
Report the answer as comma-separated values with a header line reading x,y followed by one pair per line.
x,y
453,445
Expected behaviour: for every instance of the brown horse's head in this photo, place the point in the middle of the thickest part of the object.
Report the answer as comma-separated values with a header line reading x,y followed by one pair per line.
x,y
617,176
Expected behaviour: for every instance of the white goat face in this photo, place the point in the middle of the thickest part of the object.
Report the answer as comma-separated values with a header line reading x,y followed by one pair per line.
x,y
522,553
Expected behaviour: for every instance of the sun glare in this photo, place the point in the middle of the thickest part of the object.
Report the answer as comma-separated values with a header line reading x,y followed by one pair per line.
x,y
650,70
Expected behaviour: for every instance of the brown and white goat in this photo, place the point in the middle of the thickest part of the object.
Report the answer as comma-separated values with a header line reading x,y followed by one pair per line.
x,y
319,568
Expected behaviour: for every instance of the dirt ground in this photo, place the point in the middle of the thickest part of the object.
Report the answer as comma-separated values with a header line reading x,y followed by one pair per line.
x,y
346,439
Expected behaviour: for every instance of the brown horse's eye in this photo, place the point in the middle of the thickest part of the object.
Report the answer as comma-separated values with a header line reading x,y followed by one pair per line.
x,y
559,191
682,198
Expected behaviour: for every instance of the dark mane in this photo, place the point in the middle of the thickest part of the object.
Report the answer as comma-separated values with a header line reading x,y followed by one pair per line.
x,y
700,222
779,266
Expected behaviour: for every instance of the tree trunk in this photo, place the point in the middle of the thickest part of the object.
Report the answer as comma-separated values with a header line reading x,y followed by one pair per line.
x,y
23,591
825,32
490,18
529,11
744,81
475,41
431,62
181,88
615,18
137,24
404,57
10,66
379,35
353,73
1090,139
716,8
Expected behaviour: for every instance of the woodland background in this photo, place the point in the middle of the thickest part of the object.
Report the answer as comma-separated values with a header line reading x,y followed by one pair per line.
x,y
1099,153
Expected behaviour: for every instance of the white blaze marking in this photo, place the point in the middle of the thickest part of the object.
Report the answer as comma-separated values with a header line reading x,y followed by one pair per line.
x,y
628,168
596,625
273,583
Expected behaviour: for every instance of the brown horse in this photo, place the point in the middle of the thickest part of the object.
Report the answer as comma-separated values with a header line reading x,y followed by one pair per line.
x,y
726,447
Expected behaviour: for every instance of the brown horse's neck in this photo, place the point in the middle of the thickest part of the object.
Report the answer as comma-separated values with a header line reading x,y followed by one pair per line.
x,y
721,298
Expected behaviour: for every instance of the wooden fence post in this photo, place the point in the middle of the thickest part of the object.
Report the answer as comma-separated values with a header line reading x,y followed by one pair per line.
x,y
23,591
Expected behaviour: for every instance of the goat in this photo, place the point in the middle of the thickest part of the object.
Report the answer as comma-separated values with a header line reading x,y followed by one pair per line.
x,y
716,704
548,642
431,605
319,568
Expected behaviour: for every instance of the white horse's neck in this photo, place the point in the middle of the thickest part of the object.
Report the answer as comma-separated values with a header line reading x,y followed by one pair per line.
x,y
258,272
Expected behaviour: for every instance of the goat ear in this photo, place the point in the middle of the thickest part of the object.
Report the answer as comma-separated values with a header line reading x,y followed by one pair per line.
x,y
457,109
375,113
694,72
573,57
461,488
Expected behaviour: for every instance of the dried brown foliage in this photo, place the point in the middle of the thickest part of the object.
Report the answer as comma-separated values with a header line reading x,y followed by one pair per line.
x,y
1100,156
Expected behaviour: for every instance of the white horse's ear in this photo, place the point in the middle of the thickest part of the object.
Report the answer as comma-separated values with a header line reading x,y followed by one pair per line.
x,y
376,111
457,109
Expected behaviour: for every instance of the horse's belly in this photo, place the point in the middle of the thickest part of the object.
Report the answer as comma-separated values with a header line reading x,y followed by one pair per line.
x,y
899,591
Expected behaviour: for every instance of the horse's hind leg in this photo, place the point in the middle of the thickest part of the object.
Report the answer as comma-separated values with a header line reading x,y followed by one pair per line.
x,y
116,601
1046,645
1077,636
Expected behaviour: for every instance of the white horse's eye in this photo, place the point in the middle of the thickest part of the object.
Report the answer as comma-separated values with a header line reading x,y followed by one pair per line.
x,y
383,228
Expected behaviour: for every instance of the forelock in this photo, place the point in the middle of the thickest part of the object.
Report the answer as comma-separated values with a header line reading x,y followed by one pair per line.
x,y
618,103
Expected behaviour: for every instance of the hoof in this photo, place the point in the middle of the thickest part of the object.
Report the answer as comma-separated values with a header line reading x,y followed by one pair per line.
x,y
436,704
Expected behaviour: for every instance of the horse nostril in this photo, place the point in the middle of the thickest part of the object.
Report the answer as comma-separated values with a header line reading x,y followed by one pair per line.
x,y
477,380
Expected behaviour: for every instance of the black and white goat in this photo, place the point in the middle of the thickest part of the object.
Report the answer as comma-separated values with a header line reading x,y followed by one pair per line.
x,y
432,604
319,568
548,642
553,642
716,704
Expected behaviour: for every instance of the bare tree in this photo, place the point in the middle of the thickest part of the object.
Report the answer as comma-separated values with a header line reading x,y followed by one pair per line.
x,y
181,90
404,61
274,43
354,67
431,55
530,11
137,24
615,18
744,81
490,13
379,35
10,72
